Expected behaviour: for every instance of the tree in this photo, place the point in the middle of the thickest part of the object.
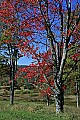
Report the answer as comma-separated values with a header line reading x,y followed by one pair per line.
x,y
9,38
49,24
52,24
39,75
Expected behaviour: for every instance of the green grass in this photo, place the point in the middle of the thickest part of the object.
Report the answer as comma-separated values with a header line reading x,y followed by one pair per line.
x,y
35,111
24,109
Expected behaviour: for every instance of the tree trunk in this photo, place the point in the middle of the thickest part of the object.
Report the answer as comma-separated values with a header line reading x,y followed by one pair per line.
x,y
77,93
47,100
12,93
59,102
59,95
12,83
12,90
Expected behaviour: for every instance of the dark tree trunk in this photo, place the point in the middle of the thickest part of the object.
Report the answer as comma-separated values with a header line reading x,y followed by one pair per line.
x,y
13,67
48,100
59,97
77,93
11,102
59,93
12,83
12,93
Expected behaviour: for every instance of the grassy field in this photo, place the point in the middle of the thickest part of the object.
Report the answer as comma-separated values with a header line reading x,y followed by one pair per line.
x,y
36,111
29,105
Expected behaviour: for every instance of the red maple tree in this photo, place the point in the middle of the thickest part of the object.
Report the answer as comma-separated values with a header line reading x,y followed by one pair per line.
x,y
52,24
48,24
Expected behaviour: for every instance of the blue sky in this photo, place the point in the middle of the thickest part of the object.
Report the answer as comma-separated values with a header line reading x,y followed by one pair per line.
x,y
24,61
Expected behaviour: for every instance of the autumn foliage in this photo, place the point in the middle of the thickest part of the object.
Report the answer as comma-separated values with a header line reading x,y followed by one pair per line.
x,y
39,74
46,30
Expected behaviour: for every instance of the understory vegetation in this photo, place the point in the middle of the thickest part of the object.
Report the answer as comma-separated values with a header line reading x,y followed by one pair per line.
x,y
29,105
36,111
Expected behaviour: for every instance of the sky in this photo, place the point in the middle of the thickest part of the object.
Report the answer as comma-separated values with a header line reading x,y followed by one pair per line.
x,y
27,61
24,61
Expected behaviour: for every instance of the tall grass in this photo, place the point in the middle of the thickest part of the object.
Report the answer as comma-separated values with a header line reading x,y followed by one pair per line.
x,y
24,109
36,111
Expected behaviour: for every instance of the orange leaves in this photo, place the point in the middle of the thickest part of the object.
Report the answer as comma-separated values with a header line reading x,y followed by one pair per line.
x,y
7,41
32,23
25,24
39,74
26,34
47,92
31,1
6,11
69,32
42,79
7,17
75,56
